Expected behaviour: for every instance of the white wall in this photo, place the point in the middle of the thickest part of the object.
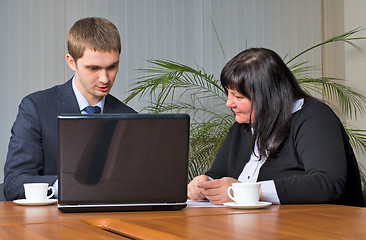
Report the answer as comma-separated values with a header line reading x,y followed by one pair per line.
x,y
33,39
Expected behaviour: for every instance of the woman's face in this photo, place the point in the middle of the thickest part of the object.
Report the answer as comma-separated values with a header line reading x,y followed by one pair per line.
x,y
240,105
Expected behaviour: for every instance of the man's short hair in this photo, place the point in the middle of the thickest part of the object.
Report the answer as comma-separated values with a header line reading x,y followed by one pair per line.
x,y
95,33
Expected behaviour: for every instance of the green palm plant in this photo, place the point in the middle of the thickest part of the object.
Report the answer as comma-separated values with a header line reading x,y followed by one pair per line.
x,y
175,87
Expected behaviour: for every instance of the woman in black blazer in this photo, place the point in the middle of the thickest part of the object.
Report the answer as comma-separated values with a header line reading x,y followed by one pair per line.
x,y
292,143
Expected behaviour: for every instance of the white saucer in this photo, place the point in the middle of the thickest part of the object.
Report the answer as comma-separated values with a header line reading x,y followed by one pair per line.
x,y
27,203
258,205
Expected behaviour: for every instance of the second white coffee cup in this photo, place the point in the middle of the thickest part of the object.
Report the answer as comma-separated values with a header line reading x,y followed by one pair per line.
x,y
245,194
37,192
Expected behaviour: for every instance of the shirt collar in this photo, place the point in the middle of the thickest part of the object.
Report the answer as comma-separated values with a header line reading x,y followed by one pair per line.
x,y
82,102
297,105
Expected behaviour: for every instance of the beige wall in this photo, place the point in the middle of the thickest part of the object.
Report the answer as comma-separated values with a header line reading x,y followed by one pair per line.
x,y
343,61
355,61
333,24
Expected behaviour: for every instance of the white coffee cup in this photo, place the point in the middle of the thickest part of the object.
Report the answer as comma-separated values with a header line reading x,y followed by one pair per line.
x,y
37,192
245,194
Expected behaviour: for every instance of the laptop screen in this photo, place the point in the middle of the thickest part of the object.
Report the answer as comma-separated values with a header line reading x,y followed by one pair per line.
x,y
123,159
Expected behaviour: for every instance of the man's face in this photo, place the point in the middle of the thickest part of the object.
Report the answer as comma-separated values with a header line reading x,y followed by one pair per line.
x,y
95,73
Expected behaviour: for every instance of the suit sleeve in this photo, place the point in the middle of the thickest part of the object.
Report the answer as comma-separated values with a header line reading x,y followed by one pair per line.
x,y
24,162
318,139
233,154
219,166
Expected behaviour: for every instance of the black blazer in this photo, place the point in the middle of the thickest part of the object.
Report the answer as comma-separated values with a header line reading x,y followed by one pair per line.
x,y
316,163
32,152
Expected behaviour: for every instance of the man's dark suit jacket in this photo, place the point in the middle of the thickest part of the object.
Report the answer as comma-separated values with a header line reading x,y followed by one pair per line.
x,y
32,152
316,163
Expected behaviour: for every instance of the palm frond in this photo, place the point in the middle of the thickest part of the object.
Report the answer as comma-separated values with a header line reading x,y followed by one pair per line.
x,y
201,111
206,138
357,138
344,37
350,100
167,76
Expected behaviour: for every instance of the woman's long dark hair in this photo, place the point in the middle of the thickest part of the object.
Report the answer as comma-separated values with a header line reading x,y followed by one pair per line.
x,y
260,75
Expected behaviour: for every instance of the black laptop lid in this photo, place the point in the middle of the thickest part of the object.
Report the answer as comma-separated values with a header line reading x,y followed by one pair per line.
x,y
123,159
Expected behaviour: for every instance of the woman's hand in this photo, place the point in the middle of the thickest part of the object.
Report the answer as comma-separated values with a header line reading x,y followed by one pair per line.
x,y
195,192
216,190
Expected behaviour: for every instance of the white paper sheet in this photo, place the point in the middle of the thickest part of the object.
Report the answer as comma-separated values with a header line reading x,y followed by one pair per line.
x,y
191,203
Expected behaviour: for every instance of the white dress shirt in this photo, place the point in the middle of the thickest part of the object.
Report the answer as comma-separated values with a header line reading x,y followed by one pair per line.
x,y
82,100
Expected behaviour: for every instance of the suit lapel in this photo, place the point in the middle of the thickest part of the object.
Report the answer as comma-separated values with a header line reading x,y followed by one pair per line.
x,y
67,103
66,100
109,105
243,148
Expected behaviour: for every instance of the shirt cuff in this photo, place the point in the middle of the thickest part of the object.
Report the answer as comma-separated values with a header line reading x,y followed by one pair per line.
x,y
269,192
55,186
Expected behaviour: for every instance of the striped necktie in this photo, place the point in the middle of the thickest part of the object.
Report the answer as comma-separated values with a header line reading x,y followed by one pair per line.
x,y
92,110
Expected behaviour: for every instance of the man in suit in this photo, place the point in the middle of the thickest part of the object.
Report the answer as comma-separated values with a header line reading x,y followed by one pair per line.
x,y
94,47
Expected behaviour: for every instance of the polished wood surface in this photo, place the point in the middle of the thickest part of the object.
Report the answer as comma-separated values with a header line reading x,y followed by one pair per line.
x,y
341,224
63,230
12,213
286,222
274,222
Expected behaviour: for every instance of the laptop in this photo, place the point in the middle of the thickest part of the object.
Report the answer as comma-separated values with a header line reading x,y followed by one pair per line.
x,y
122,162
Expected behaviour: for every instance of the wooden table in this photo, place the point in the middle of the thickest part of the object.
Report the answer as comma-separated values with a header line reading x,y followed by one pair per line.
x,y
275,222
